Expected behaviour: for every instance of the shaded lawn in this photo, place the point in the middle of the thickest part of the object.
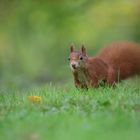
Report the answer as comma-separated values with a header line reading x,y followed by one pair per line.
x,y
70,114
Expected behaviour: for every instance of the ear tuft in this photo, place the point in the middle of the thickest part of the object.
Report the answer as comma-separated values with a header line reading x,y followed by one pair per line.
x,y
71,47
83,49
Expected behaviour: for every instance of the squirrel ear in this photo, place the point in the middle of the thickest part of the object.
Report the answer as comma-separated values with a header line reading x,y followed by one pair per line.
x,y
71,48
83,49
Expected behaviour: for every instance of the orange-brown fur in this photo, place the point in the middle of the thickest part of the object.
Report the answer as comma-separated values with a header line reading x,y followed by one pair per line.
x,y
117,61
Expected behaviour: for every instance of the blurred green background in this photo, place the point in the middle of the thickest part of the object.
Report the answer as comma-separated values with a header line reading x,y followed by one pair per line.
x,y
35,35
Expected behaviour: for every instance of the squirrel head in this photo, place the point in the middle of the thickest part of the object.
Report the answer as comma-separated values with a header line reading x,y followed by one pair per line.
x,y
77,59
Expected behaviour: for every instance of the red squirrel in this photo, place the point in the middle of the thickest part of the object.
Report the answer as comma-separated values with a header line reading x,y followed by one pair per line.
x,y
117,61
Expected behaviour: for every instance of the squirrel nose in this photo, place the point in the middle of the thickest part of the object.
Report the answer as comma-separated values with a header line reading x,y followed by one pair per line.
x,y
74,66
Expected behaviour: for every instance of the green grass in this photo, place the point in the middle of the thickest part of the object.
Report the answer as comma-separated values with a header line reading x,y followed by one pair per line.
x,y
70,114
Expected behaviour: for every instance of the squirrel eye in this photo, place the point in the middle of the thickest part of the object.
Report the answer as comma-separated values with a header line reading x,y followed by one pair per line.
x,y
81,58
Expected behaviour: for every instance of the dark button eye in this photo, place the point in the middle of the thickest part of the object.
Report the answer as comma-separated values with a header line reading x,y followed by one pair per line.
x,y
69,58
81,58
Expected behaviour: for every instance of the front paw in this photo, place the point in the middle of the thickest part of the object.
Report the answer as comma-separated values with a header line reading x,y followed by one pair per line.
x,y
77,85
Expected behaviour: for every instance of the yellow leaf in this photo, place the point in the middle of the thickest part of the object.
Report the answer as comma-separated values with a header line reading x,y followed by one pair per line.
x,y
34,99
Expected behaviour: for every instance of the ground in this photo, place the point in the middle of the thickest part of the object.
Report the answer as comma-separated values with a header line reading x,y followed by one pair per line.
x,y
66,113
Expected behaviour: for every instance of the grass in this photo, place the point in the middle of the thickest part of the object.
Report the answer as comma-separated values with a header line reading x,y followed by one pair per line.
x,y
66,113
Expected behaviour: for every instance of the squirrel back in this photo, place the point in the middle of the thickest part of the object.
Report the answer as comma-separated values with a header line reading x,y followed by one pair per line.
x,y
122,56
117,61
